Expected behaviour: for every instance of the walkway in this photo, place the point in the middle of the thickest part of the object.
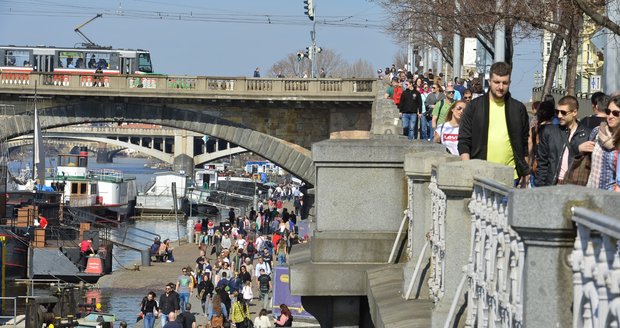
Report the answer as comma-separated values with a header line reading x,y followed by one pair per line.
x,y
158,274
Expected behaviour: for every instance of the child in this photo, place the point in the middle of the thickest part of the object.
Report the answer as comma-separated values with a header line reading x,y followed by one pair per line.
x,y
247,293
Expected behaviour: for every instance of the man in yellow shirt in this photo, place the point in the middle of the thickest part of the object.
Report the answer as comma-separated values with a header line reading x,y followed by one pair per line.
x,y
495,127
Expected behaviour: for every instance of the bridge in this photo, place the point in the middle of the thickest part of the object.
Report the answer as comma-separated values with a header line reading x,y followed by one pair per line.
x,y
163,144
278,119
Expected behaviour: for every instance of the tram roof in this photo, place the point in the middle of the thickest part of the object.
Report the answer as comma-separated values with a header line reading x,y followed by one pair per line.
x,y
97,48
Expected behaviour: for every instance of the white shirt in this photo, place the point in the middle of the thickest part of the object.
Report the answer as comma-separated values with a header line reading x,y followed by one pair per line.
x,y
261,266
449,137
241,243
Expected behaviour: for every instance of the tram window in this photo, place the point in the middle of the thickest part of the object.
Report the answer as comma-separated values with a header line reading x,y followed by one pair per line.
x,y
18,58
70,59
96,59
144,63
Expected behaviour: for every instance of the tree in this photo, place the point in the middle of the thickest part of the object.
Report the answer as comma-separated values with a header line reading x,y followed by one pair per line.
x,y
332,62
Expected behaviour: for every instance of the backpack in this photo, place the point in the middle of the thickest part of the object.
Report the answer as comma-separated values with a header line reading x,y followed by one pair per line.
x,y
217,321
251,248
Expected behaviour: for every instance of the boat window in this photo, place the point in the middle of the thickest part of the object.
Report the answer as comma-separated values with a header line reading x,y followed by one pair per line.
x,y
74,188
97,59
144,63
82,161
67,160
93,189
18,58
71,59
83,189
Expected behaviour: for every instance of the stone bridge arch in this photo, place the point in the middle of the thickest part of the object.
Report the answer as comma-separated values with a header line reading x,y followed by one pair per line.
x,y
293,158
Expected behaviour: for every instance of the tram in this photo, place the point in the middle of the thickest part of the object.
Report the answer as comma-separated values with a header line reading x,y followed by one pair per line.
x,y
74,61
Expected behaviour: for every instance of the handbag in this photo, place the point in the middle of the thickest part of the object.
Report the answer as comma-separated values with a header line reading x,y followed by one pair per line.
x,y
580,170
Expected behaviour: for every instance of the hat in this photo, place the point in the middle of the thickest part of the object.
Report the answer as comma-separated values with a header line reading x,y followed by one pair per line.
x,y
441,74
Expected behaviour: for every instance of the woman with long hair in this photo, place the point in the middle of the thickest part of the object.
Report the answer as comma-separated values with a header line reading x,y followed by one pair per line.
x,y
240,313
149,310
447,133
286,317
603,171
262,320
217,311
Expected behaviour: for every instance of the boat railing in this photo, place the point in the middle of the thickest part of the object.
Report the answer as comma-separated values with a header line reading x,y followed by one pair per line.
x,y
107,174
10,317
83,200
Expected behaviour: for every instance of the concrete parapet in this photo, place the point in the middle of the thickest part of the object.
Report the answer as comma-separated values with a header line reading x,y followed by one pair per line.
x,y
542,218
370,194
346,246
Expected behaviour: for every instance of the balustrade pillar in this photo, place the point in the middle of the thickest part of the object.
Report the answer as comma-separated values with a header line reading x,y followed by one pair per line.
x,y
542,218
451,189
418,169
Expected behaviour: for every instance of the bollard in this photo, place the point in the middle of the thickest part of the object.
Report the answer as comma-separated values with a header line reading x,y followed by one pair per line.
x,y
145,254
190,229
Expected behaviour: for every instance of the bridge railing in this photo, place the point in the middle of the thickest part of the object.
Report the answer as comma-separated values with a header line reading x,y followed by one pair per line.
x,y
596,270
187,85
501,253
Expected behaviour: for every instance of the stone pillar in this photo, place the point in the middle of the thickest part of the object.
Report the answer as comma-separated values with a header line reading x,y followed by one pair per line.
x,y
360,193
418,169
455,180
183,153
611,80
542,218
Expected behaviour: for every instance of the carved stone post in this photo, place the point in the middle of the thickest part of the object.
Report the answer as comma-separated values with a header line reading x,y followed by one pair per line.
x,y
451,186
418,169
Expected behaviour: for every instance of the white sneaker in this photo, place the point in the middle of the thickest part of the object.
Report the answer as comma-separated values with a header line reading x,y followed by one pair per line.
x,y
168,261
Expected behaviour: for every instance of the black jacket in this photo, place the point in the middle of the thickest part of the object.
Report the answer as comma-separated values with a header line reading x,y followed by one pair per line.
x,y
474,130
169,303
410,102
553,141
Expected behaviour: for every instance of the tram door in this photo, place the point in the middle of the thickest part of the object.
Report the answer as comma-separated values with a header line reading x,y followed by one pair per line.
x,y
43,63
127,65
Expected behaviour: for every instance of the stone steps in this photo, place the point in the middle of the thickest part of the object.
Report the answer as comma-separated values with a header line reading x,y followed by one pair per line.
x,y
385,299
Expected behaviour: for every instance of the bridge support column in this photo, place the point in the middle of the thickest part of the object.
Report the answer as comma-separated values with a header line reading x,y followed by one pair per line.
x,y
452,189
184,153
103,155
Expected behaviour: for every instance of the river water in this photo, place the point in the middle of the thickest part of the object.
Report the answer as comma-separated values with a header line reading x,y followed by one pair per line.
x,y
124,303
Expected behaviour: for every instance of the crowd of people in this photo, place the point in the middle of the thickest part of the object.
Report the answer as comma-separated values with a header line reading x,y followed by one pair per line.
x,y
236,258
553,147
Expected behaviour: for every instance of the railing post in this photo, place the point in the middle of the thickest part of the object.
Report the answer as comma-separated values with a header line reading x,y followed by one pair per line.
x,y
451,188
418,169
542,218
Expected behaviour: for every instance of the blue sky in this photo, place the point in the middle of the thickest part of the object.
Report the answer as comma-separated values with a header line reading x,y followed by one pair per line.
x,y
222,38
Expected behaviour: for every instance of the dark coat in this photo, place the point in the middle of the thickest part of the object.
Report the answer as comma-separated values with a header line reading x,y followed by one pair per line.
x,y
553,141
474,130
169,303
410,102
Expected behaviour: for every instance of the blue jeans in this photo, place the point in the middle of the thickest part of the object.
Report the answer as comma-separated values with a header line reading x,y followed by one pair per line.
x,y
425,128
163,318
410,123
281,259
184,299
149,320
264,297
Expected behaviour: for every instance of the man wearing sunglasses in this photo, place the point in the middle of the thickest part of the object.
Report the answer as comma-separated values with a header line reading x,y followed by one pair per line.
x,y
495,127
559,144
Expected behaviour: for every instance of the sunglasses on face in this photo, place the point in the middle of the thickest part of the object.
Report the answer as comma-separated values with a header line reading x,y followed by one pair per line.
x,y
450,92
467,98
615,113
563,112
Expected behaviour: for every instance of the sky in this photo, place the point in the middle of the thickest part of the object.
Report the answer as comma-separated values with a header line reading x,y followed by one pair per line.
x,y
223,38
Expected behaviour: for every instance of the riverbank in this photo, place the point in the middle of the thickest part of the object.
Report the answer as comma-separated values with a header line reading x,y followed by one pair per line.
x,y
157,275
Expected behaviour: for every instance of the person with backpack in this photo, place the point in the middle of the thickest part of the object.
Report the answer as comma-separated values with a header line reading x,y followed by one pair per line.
x,y
205,291
440,110
240,314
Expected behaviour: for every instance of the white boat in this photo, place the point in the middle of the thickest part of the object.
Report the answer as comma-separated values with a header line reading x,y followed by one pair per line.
x,y
99,190
158,197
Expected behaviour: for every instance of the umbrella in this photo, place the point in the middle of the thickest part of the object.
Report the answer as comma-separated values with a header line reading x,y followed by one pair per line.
x,y
270,184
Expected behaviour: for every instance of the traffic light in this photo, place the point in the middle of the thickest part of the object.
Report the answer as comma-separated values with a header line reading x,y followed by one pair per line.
x,y
309,7
300,56
318,50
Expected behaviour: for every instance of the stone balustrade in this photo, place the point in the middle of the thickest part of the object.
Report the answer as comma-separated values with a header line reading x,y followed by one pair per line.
x,y
596,270
509,248
190,86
